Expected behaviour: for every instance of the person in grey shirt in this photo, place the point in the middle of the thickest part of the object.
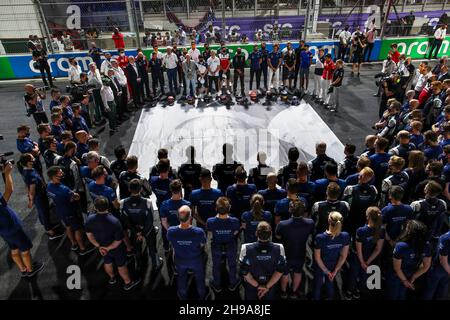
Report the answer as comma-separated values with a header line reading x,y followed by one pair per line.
x,y
190,73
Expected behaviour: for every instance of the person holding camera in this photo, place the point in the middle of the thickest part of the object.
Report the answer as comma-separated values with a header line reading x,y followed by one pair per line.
x,y
336,83
95,81
33,102
74,71
391,88
12,232
108,99
40,56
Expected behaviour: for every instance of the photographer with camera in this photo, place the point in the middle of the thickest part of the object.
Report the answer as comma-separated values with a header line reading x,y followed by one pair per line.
x,y
12,232
33,103
391,89
74,71
387,69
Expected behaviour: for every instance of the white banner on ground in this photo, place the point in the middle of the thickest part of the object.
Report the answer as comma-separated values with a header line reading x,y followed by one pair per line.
x,y
257,128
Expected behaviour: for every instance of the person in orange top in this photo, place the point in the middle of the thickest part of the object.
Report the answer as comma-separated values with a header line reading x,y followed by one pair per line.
x,y
117,36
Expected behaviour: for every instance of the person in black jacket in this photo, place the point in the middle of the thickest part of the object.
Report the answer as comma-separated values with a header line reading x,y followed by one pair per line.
x,y
223,172
155,65
189,173
317,165
290,170
238,65
134,77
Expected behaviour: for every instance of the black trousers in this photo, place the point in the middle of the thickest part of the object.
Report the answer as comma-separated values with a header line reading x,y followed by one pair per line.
x,y
136,89
264,73
297,69
214,80
157,78
236,77
40,117
43,68
436,45
145,81
258,78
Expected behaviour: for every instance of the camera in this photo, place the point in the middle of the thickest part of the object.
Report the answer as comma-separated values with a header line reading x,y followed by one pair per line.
x,y
77,91
4,160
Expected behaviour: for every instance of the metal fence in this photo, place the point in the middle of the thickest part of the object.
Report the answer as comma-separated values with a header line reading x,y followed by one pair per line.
x,y
70,25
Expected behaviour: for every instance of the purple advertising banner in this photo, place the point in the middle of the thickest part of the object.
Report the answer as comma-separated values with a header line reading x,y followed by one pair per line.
x,y
293,24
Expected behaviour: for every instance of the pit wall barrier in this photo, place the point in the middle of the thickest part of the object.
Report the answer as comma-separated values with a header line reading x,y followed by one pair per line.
x,y
21,66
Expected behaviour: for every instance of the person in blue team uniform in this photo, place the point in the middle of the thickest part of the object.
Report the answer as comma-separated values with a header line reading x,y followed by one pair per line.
x,y
412,259
26,145
203,200
362,163
294,233
305,187
255,58
258,174
78,122
189,173
360,197
317,165
348,166
64,200
224,172
262,263
160,183
397,177
431,148
44,132
11,230
282,206
404,146
330,253
57,127
154,171
264,63
168,212
130,173
369,243
379,161
97,187
223,230
82,146
272,194
322,209
188,243
105,233
250,219
437,282
93,160
289,171
432,211
330,176
37,195
240,193
137,215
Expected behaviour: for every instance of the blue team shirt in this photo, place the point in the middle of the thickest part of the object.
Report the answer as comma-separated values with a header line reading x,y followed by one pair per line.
x,y
274,58
271,197
282,208
305,59
223,230
97,190
32,177
9,221
294,234
78,123
239,196
161,189
379,164
416,139
82,148
187,244
433,152
322,185
395,218
105,227
410,259
330,249
444,248
205,201
251,224
365,236
25,145
61,197
254,58
56,131
169,209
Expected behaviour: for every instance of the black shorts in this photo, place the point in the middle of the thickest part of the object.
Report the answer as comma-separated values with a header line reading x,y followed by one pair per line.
x,y
287,74
73,221
295,266
117,256
357,57
19,240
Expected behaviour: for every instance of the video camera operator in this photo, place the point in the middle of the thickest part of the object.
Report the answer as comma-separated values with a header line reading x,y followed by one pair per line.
x,y
391,89
387,69
33,103
78,89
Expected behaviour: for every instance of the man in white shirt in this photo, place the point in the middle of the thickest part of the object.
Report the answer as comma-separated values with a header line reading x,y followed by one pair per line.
x,y
106,64
194,52
439,36
94,78
213,63
74,71
119,75
170,61
344,40
109,103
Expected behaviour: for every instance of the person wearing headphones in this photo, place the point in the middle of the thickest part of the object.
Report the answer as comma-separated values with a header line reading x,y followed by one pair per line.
x,y
262,263
222,230
188,243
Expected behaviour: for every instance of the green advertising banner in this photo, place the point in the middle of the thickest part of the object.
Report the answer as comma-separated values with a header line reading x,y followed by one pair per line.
x,y
6,71
416,48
